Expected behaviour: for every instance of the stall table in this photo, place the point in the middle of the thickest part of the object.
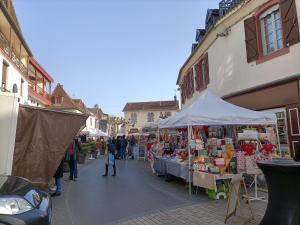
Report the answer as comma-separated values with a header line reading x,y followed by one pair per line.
x,y
208,180
283,180
178,169
159,166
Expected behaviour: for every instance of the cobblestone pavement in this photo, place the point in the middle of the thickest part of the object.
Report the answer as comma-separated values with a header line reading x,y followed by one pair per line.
x,y
209,213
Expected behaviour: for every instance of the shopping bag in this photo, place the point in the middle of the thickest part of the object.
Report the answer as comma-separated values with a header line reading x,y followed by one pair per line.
x,y
111,159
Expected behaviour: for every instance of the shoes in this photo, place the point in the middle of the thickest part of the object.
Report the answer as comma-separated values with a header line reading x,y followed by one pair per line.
x,y
70,178
114,175
104,175
75,179
55,194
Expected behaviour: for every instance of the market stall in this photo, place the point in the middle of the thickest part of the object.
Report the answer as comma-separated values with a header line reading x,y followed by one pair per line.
x,y
212,125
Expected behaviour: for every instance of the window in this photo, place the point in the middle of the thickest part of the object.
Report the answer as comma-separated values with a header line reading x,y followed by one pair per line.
x,y
150,117
271,30
4,76
133,117
168,114
57,100
22,88
202,73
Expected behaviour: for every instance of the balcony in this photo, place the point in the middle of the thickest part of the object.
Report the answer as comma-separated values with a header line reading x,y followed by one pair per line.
x,y
225,6
5,46
39,82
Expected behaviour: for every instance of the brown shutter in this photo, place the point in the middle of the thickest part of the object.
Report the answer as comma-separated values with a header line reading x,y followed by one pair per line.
x,y
182,94
251,39
197,76
206,70
201,81
192,82
290,26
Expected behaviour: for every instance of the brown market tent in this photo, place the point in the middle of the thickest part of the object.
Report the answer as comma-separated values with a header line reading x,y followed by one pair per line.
x,y
42,138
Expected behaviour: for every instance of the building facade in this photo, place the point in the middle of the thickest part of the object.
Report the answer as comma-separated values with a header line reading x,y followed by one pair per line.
x,y
138,114
249,56
20,72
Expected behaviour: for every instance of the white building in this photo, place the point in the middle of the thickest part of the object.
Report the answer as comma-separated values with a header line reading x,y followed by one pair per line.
x,y
20,72
249,54
138,114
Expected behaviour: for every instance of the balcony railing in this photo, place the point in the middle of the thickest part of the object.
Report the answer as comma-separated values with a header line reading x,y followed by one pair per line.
x,y
4,44
225,6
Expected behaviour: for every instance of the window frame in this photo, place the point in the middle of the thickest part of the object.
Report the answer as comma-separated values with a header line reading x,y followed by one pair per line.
x,y
261,57
271,11
150,117
133,117
4,75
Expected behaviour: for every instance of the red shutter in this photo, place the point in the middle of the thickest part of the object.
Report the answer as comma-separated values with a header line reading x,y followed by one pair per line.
x,y
206,70
290,26
251,39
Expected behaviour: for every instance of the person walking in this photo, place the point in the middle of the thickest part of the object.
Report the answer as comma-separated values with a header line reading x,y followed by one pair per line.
x,y
111,157
132,143
118,147
124,144
72,156
59,179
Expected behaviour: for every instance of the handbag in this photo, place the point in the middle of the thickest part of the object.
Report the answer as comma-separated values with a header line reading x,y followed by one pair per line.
x,y
111,159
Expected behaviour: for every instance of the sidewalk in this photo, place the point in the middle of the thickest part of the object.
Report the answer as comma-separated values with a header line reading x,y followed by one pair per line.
x,y
209,213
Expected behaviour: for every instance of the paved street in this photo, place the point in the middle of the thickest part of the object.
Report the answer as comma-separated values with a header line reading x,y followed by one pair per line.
x,y
134,192
136,196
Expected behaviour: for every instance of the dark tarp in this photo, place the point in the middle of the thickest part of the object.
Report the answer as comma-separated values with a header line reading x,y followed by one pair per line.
x,y
42,138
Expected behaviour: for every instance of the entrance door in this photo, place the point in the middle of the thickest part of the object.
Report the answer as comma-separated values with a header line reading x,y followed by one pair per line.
x,y
293,116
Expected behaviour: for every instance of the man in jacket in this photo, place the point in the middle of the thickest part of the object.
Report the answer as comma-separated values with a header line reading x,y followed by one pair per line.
x,y
73,156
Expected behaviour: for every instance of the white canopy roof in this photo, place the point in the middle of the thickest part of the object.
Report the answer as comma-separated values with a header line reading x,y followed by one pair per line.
x,y
210,109
97,133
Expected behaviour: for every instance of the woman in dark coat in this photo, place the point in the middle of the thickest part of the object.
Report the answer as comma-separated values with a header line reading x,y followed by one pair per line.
x,y
111,156
59,179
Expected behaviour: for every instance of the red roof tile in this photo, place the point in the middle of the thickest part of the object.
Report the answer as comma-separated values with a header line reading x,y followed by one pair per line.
x,y
158,105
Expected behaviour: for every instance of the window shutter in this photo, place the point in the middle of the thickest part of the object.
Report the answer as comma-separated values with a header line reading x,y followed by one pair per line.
x,y
196,76
191,80
182,93
206,70
289,19
251,39
199,76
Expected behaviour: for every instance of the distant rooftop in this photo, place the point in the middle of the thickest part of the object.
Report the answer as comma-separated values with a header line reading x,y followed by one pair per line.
x,y
158,105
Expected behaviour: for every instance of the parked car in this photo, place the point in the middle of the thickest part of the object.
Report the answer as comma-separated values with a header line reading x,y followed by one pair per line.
x,y
22,204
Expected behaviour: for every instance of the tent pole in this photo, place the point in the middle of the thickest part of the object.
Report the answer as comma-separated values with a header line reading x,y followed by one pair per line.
x,y
189,149
278,140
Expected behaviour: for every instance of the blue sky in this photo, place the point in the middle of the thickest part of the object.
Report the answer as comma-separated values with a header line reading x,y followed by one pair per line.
x,y
111,52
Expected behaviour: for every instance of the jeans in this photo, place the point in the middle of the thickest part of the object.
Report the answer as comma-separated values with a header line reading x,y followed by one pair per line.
x,y
73,169
123,153
58,183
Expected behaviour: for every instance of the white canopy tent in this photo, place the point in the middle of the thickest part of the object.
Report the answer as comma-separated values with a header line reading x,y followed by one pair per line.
x,y
97,133
210,110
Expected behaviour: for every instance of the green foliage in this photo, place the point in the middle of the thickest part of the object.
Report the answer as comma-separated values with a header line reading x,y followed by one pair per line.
x,y
86,148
